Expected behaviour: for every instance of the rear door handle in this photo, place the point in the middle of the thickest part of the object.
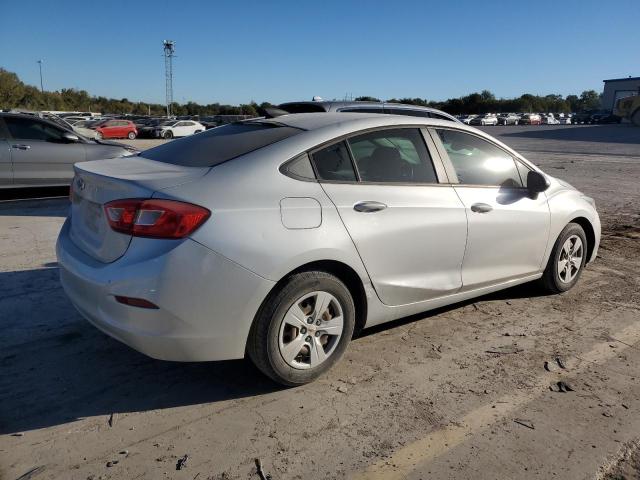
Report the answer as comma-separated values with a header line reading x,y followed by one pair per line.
x,y
369,207
481,208
21,147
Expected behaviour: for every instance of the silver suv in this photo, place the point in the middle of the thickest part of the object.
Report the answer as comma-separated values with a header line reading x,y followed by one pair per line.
x,y
367,107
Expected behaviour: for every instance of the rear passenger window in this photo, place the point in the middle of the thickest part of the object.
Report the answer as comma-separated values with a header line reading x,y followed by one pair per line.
x,y
333,163
478,162
299,168
394,156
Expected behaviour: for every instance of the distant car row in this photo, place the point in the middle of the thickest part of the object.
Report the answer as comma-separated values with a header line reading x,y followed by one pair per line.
x,y
589,117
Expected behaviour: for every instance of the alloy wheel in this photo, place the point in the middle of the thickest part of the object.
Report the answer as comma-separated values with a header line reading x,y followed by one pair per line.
x,y
570,260
310,330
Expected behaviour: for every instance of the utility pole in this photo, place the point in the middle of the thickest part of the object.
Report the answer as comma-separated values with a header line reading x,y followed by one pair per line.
x,y
41,84
169,50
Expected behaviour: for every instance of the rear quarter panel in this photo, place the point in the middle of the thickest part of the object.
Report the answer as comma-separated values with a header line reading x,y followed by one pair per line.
x,y
244,196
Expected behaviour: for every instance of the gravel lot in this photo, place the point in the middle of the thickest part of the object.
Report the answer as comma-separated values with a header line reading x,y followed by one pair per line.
x,y
418,398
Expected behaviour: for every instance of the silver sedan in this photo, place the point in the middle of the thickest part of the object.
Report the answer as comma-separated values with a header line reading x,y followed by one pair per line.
x,y
280,238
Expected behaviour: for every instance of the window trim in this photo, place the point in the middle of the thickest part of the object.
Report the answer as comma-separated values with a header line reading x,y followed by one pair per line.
x,y
451,172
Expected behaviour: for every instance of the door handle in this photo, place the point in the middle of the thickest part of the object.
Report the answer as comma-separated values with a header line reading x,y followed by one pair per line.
x,y
369,207
21,147
481,208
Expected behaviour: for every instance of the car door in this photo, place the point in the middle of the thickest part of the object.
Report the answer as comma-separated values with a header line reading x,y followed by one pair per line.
x,y
407,224
179,129
507,227
6,170
40,155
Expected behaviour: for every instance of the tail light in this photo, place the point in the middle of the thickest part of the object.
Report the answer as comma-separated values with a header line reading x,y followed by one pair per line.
x,y
155,218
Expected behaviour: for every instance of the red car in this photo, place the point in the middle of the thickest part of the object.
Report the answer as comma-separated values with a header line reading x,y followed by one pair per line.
x,y
116,129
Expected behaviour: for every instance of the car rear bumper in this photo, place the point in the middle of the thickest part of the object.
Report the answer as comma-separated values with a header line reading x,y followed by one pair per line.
x,y
206,302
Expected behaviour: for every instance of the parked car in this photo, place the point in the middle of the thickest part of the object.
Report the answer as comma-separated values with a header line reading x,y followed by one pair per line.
x,y
366,107
605,117
178,128
38,152
549,119
466,119
564,118
148,130
485,119
584,117
530,119
508,119
281,237
116,129
629,107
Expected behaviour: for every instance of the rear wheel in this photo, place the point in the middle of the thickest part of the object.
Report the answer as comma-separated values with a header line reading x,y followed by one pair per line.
x,y
567,260
131,135
635,118
303,328
99,135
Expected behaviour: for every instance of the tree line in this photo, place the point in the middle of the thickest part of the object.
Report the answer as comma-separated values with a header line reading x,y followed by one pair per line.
x,y
16,94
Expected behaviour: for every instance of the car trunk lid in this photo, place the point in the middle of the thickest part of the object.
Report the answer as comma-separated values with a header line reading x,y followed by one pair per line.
x,y
99,182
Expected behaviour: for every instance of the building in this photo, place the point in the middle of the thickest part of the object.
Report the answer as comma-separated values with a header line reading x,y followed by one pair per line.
x,y
617,88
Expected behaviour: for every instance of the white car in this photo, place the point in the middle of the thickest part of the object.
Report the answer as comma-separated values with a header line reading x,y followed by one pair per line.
x,y
486,119
466,118
549,119
564,119
178,128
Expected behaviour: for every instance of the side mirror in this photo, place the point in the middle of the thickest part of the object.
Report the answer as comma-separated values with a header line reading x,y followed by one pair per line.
x,y
536,182
70,137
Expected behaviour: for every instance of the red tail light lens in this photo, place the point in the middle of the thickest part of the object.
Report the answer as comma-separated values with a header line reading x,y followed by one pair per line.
x,y
155,218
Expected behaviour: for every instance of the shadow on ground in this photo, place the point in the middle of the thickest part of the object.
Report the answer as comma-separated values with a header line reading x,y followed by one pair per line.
x,y
57,368
49,207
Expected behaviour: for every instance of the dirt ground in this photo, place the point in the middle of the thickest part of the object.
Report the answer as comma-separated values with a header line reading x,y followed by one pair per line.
x,y
468,391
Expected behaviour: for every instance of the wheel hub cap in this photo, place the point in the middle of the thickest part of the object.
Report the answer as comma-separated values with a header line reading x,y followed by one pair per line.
x,y
310,330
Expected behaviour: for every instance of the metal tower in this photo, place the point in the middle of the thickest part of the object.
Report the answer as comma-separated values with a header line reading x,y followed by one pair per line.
x,y
169,49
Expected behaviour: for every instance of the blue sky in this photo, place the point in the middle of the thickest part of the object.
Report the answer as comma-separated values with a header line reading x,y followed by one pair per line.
x,y
234,52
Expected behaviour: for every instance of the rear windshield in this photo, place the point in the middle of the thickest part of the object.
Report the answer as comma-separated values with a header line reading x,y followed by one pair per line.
x,y
220,144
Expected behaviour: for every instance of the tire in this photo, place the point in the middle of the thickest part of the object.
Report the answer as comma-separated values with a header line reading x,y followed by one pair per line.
x,y
99,135
552,278
635,118
168,135
131,135
266,343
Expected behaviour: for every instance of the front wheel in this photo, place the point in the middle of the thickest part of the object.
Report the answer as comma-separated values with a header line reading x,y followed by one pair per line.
x,y
131,135
302,329
168,135
567,260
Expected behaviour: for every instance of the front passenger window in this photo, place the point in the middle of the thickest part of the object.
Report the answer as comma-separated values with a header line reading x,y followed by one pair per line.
x,y
32,129
478,162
